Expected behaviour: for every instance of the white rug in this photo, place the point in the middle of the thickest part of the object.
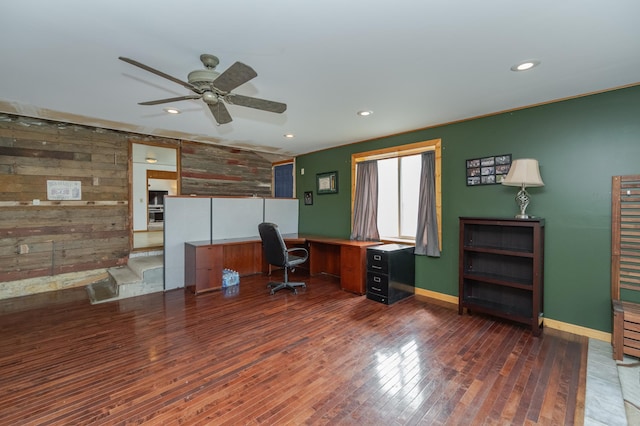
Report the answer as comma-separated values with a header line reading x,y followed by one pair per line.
x,y
629,375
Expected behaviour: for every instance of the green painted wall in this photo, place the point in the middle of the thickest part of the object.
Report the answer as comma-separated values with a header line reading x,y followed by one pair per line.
x,y
580,144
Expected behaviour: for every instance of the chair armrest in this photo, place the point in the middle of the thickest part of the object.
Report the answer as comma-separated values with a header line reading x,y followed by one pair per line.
x,y
299,252
300,249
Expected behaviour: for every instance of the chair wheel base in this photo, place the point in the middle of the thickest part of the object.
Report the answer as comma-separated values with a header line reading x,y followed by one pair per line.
x,y
279,286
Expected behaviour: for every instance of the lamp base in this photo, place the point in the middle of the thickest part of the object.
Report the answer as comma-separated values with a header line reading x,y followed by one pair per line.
x,y
522,199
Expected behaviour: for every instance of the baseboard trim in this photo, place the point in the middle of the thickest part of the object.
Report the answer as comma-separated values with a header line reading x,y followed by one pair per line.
x,y
29,286
577,329
548,322
437,296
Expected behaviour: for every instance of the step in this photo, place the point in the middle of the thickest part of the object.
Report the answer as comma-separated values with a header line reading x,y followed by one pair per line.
x,y
141,275
102,291
149,268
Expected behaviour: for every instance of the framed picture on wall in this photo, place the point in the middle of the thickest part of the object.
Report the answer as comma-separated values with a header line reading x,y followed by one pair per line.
x,y
308,198
327,183
488,170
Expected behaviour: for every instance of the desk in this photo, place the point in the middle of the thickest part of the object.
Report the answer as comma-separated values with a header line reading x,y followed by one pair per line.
x,y
204,260
346,259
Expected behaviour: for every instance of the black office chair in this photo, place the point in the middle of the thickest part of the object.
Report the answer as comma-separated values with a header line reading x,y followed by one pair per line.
x,y
277,254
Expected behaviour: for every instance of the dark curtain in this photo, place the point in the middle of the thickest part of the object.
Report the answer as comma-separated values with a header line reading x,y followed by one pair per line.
x,y
365,205
427,239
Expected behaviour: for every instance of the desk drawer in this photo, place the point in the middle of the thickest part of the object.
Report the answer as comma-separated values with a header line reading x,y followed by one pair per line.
x,y
377,283
377,261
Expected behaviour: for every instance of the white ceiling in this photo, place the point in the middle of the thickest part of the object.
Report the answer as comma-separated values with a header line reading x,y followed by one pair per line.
x,y
414,63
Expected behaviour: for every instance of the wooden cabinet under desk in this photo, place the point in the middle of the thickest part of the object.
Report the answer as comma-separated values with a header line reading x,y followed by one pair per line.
x,y
202,267
501,269
205,260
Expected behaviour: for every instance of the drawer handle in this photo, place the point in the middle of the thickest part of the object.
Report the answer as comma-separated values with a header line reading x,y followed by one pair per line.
x,y
375,288
377,279
376,267
377,257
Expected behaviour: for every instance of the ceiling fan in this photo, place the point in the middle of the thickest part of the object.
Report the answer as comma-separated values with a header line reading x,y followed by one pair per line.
x,y
215,88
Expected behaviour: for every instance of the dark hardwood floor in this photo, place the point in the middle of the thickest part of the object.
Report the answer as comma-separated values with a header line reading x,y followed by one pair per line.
x,y
323,356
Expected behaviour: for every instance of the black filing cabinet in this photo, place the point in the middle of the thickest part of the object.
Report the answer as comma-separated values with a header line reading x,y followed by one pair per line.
x,y
390,272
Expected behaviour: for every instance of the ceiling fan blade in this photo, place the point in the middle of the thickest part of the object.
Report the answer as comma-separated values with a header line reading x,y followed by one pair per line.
x,y
160,73
220,113
163,101
256,103
236,75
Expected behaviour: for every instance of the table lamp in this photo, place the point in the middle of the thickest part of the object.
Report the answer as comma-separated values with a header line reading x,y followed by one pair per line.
x,y
523,173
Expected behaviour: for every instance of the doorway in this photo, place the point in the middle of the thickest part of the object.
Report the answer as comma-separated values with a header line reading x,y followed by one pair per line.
x,y
154,176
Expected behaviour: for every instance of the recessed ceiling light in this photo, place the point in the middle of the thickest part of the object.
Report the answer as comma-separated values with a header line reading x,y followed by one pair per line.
x,y
526,65
171,110
364,113
289,135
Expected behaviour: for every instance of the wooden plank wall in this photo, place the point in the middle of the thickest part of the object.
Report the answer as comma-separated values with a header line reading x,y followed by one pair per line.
x,y
69,236
214,170
60,237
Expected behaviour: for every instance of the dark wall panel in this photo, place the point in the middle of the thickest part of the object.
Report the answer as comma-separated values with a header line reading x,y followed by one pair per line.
x,y
580,144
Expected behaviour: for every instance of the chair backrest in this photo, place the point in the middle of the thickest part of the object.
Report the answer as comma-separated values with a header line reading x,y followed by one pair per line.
x,y
275,250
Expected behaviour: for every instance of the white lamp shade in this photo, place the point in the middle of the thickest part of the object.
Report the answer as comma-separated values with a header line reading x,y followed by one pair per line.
x,y
524,171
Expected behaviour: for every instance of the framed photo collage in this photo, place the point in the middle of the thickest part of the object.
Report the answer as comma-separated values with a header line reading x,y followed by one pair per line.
x,y
488,170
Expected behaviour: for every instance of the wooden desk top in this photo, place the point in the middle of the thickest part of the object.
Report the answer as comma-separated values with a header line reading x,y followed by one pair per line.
x,y
289,238
339,241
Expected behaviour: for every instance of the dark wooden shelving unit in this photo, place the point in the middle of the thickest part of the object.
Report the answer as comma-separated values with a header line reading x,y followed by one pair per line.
x,y
501,269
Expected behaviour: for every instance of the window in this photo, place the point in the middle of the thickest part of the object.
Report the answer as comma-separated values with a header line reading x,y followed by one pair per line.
x,y
398,190
283,180
399,171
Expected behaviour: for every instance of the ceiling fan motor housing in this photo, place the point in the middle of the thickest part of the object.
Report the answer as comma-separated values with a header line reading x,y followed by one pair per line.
x,y
202,79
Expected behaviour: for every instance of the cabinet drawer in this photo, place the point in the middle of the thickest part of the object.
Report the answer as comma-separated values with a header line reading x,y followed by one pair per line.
x,y
377,261
377,283
208,255
207,280
378,298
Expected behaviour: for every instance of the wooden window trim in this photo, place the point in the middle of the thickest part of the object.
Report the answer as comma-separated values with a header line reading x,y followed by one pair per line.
x,y
402,151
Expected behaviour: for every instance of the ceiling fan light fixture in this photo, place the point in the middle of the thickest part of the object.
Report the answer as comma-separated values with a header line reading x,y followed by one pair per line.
x,y
364,113
170,110
210,98
525,65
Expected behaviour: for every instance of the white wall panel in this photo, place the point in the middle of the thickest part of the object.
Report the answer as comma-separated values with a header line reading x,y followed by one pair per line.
x,y
236,217
283,212
185,219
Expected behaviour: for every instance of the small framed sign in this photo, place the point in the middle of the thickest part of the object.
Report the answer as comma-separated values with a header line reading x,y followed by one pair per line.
x,y
64,190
